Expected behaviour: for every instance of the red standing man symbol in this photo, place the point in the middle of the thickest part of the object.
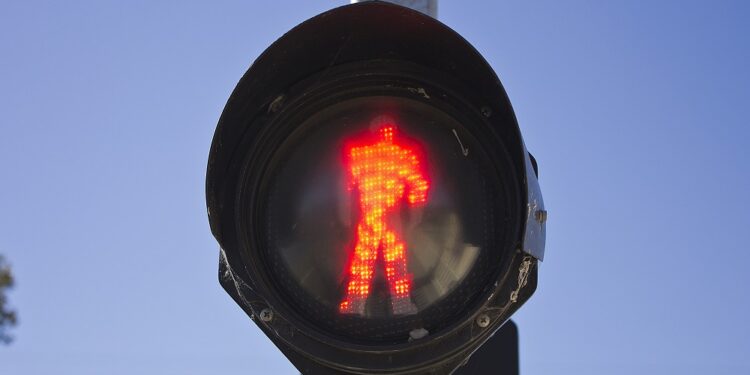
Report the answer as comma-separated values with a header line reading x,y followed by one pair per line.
x,y
384,171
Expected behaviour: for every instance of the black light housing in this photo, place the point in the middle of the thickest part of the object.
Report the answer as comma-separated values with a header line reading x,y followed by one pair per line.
x,y
275,194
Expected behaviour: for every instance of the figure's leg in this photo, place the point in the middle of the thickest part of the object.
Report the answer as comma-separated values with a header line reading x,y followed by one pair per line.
x,y
399,278
360,271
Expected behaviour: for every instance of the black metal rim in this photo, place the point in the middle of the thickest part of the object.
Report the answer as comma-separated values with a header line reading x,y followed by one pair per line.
x,y
382,77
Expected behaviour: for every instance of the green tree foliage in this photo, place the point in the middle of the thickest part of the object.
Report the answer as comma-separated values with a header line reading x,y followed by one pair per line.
x,y
7,316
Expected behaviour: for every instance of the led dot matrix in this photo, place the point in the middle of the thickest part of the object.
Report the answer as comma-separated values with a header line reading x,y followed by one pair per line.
x,y
383,171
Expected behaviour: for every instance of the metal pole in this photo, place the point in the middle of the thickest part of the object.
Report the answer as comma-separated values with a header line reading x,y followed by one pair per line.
x,y
428,7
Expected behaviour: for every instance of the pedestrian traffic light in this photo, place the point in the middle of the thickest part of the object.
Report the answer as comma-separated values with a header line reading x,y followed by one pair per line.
x,y
375,204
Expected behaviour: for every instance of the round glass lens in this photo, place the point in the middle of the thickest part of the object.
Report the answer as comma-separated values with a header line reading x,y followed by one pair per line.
x,y
382,219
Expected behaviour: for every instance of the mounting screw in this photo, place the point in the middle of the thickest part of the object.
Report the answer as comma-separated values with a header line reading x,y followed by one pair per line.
x,y
266,315
541,216
483,321
486,111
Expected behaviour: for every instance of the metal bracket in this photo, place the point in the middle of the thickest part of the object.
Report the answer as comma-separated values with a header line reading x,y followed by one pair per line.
x,y
536,216
428,7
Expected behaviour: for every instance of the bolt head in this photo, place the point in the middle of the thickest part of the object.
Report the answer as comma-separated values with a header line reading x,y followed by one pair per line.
x,y
266,315
541,216
483,321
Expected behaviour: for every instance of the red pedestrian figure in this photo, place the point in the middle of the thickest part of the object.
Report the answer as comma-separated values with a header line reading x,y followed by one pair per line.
x,y
383,171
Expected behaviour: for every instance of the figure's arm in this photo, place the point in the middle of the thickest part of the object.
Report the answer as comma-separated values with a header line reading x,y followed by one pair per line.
x,y
345,206
417,182
417,186
351,164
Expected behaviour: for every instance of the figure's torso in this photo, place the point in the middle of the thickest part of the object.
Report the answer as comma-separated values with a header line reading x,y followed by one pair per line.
x,y
378,173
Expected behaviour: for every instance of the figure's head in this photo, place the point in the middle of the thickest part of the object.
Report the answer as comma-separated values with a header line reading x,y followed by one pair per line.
x,y
386,132
384,127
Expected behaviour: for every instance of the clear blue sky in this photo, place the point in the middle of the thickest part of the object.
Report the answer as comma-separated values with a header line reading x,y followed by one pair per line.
x,y
637,112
